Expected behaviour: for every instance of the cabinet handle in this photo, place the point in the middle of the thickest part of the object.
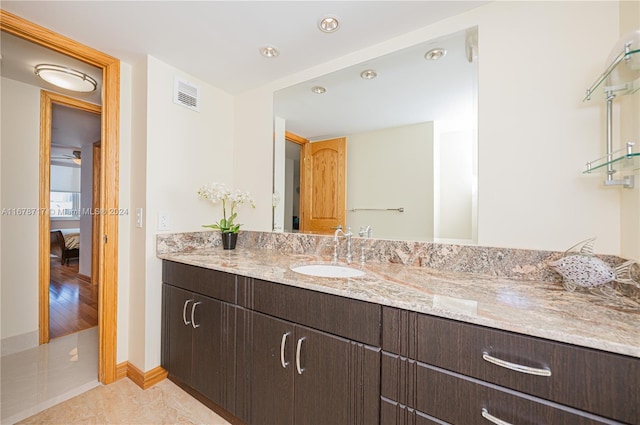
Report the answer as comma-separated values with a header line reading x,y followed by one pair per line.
x,y
283,343
298,348
184,313
193,313
488,416
515,366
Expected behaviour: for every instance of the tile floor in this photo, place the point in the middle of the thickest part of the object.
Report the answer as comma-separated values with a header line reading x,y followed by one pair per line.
x,y
123,402
56,383
38,378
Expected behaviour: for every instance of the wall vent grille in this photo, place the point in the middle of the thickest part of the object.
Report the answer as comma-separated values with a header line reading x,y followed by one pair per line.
x,y
186,94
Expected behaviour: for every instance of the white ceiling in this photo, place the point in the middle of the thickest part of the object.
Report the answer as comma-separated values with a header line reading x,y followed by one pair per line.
x,y
219,41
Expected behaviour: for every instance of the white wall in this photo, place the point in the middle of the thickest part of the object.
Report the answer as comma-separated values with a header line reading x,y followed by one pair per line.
x,y
629,107
184,150
126,184
454,184
382,175
20,147
137,243
535,133
86,202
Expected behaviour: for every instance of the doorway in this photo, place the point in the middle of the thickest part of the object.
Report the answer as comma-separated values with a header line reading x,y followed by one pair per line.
x,y
71,182
108,223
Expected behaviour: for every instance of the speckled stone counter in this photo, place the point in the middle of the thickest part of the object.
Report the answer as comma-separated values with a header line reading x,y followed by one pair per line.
x,y
532,307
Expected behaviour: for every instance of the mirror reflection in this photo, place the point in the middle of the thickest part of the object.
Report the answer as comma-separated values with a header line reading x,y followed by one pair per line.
x,y
389,144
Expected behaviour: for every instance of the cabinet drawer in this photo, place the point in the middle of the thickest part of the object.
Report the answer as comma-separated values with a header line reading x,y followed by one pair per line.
x,y
212,283
460,400
353,319
587,379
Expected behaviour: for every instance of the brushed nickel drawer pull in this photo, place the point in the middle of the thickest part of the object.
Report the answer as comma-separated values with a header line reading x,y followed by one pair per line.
x,y
298,348
488,416
184,313
193,313
283,343
515,366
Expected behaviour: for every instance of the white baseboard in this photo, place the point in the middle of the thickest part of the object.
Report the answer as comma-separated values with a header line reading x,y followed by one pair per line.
x,y
17,343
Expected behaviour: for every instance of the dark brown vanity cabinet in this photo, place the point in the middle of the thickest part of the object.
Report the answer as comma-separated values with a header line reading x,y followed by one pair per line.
x,y
270,353
436,370
198,335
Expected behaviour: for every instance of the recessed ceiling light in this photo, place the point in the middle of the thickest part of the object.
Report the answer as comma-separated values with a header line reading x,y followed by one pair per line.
x,y
318,89
66,78
369,74
435,54
329,24
269,52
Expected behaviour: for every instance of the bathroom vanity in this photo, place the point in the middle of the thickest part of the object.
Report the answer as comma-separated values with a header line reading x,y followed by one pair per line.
x,y
399,345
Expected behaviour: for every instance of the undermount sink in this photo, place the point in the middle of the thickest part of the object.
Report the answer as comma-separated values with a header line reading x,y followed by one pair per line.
x,y
328,270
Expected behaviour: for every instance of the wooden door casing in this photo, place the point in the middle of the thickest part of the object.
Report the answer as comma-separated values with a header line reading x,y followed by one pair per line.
x,y
324,192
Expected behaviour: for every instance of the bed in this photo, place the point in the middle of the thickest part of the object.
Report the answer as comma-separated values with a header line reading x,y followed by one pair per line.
x,y
65,244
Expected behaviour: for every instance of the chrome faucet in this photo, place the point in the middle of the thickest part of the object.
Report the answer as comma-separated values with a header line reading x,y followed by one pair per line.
x,y
365,231
335,243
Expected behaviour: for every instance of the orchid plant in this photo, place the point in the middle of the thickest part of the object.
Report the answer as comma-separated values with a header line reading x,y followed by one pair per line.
x,y
215,192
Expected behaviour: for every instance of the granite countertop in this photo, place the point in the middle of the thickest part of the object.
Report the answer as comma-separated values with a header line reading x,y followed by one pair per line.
x,y
536,308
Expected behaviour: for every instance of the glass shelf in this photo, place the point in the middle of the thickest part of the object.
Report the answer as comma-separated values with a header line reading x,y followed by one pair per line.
x,y
627,88
628,162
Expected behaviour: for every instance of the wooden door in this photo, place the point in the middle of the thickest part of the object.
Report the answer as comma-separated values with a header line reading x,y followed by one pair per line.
x,y
213,370
178,332
272,373
324,197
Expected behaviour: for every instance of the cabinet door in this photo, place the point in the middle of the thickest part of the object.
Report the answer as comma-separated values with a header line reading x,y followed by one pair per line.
x,y
272,353
337,380
177,335
213,370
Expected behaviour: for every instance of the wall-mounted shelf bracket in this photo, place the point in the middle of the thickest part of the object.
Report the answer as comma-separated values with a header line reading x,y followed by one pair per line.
x,y
628,182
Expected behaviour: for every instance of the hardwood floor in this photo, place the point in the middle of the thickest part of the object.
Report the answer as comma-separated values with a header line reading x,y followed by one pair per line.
x,y
73,302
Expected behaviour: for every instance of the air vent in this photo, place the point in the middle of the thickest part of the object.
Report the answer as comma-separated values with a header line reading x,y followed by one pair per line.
x,y
186,94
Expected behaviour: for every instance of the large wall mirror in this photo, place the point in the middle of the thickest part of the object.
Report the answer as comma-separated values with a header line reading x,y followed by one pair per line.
x,y
409,124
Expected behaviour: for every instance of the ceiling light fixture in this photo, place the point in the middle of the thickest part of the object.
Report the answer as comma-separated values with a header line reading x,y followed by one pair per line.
x,y
329,24
318,89
269,52
435,54
66,78
368,74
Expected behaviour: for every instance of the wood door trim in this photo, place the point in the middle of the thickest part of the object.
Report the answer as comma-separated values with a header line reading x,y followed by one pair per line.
x,y
47,100
107,306
292,137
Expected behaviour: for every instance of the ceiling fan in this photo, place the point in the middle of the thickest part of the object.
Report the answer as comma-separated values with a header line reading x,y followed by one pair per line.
x,y
75,157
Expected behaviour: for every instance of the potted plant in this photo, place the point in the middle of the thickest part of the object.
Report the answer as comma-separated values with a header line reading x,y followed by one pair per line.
x,y
215,192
